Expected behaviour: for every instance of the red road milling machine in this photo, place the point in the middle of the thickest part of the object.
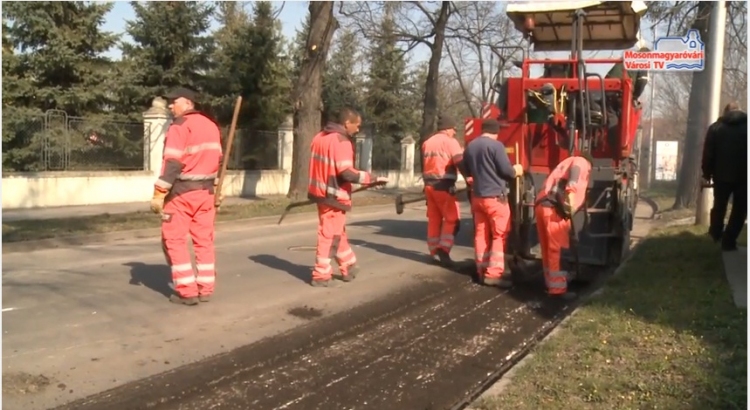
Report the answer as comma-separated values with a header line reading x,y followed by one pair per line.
x,y
570,109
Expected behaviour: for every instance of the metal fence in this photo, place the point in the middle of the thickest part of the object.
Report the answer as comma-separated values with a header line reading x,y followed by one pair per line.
x,y
254,150
54,141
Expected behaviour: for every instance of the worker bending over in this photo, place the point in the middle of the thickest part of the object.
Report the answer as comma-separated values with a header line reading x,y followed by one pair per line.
x,y
563,194
184,195
441,160
332,174
486,162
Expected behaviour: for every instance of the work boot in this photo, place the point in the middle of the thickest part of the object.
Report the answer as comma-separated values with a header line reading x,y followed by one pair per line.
x,y
445,258
204,298
177,299
501,283
325,283
350,274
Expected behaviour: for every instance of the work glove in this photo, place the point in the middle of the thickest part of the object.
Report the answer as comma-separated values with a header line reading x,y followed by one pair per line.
x,y
518,168
157,201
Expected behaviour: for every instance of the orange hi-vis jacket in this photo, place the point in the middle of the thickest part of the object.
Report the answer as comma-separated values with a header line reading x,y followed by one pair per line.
x,y
570,176
332,171
441,160
192,154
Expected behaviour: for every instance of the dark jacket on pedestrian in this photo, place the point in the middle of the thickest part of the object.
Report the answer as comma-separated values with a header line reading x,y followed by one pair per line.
x,y
725,149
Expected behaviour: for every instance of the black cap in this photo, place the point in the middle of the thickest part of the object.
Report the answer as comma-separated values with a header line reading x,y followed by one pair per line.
x,y
445,122
490,126
182,92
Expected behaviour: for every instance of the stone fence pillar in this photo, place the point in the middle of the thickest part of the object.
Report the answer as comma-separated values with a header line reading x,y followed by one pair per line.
x,y
407,154
363,143
156,121
286,144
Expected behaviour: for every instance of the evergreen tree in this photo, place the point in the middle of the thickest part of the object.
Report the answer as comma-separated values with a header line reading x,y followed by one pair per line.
x,y
59,66
230,75
60,57
271,85
342,84
297,47
170,49
386,98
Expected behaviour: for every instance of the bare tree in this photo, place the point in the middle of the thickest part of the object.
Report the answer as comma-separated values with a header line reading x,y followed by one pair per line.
x,y
417,23
477,39
676,17
307,95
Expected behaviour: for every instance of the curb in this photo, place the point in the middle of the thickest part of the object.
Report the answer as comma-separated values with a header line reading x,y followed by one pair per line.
x,y
71,241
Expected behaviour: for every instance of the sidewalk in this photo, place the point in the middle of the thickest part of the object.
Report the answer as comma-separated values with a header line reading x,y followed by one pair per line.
x,y
88,210
735,267
131,207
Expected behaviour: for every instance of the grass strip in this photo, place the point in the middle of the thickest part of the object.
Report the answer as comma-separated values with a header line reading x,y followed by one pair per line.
x,y
28,230
664,334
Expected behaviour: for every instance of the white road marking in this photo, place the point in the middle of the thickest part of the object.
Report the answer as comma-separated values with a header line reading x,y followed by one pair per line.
x,y
9,309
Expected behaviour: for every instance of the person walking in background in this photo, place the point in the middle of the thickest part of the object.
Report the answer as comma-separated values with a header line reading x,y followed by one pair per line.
x,y
725,164
184,195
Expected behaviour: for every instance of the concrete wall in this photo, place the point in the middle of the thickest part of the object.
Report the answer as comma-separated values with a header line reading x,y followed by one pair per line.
x,y
52,189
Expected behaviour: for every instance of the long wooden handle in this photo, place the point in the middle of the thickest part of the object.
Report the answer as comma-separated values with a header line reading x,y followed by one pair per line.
x,y
227,151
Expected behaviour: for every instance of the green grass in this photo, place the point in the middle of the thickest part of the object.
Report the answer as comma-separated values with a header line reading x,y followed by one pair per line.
x,y
664,334
27,230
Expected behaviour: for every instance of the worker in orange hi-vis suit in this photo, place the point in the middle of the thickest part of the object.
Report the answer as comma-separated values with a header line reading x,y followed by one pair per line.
x,y
441,159
332,174
564,193
487,163
184,195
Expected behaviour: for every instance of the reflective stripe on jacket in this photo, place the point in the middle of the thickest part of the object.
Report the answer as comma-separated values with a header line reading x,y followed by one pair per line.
x,y
192,150
332,169
441,158
570,176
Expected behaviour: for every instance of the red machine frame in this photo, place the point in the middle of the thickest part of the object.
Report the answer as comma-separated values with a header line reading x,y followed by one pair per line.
x,y
604,226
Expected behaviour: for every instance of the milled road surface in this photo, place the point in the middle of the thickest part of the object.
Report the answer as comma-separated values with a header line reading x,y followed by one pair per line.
x,y
404,335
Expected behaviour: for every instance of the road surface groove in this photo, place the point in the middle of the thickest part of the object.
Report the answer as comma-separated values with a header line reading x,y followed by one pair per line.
x,y
424,347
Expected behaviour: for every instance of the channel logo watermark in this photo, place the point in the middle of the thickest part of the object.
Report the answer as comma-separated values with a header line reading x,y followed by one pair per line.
x,y
670,54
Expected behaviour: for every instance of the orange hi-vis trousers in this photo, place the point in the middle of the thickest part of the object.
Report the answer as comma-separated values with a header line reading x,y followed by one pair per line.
x,y
491,227
442,217
190,213
332,243
553,233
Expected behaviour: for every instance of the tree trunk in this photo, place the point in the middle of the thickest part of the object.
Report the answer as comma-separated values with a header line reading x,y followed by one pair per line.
x,y
429,113
688,179
307,95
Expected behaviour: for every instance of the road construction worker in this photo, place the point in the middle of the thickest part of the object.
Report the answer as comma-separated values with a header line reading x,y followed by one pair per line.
x,y
184,196
563,194
332,174
441,159
486,162
724,163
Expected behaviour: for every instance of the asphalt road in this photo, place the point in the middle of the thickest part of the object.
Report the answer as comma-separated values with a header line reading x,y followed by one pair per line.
x,y
404,335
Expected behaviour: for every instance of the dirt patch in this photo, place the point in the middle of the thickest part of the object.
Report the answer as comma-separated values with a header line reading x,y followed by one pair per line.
x,y
20,383
305,312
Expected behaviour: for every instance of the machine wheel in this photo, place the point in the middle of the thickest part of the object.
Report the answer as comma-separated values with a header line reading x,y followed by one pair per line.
x,y
620,246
